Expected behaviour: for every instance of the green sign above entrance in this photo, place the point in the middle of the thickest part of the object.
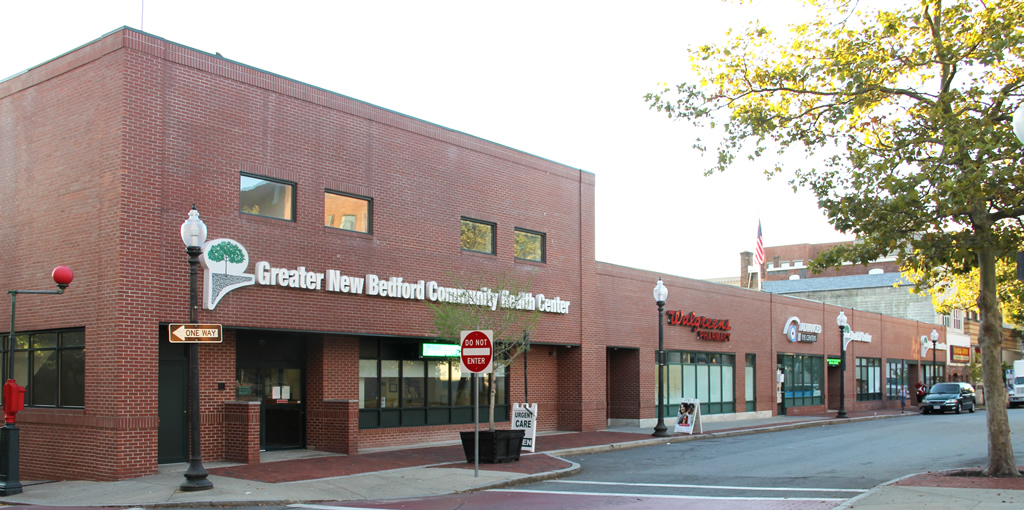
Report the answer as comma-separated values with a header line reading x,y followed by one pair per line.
x,y
441,351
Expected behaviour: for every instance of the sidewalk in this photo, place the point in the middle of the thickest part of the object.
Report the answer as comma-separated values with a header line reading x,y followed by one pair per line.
x,y
427,470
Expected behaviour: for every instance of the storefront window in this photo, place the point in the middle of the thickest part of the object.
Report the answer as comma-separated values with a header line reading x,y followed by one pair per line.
x,y
804,380
895,378
51,367
439,379
869,379
932,373
369,387
749,379
389,383
708,377
413,384
413,391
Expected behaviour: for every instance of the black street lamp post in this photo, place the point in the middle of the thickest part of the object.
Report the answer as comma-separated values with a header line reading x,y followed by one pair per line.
x,y
935,366
841,321
14,395
193,234
660,295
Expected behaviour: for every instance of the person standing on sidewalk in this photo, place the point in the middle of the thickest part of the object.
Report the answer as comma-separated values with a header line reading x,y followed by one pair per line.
x,y
904,393
921,390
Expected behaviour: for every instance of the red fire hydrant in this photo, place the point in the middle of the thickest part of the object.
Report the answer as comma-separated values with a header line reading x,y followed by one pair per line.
x,y
14,400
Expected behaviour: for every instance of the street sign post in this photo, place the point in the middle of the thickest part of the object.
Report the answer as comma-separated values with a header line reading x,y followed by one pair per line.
x,y
477,358
195,333
477,352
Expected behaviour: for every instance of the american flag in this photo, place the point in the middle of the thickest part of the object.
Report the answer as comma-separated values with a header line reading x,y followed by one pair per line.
x,y
759,252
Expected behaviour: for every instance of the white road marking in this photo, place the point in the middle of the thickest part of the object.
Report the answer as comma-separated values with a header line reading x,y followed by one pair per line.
x,y
684,486
666,496
329,507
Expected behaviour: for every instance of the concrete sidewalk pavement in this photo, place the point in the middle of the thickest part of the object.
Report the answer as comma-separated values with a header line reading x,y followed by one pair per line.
x,y
306,476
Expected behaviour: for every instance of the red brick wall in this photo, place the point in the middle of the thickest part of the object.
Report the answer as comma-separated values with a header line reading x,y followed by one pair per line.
x,y
105,150
623,376
242,432
628,318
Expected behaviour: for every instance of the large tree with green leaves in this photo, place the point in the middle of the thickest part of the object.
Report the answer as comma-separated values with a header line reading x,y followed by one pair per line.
x,y
957,290
904,115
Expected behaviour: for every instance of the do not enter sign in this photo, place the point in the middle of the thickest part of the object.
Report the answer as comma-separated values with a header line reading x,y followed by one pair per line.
x,y
477,352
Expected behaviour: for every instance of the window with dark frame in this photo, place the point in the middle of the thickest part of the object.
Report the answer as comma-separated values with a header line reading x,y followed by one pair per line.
x,y
804,379
348,212
896,377
478,236
399,388
270,198
529,245
51,367
869,379
706,376
749,379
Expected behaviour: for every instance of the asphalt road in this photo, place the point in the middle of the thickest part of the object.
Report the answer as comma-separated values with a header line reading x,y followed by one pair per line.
x,y
809,468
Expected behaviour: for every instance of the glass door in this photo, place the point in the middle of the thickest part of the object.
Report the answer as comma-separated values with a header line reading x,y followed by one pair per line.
x,y
282,413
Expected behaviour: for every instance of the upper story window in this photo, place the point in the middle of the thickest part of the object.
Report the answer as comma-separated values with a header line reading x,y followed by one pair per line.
x,y
347,212
266,197
529,245
477,236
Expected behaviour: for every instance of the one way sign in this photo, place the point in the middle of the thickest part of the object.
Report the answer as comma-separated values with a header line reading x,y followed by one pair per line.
x,y
196,333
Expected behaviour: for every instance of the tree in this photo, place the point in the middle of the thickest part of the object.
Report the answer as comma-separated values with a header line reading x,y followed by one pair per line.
x,y
504,306
907,114
952,291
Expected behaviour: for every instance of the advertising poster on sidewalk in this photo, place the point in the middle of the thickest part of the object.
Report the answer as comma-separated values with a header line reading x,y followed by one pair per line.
x,y
524,417
689,416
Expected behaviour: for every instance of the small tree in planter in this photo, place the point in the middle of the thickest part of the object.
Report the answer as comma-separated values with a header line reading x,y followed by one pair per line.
x,y
505,307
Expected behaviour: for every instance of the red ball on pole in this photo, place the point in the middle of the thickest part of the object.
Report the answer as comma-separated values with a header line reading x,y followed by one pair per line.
x,y
62,275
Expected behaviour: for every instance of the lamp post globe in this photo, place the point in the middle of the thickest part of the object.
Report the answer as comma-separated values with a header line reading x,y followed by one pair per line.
x,y
935,366
842,322
193,234
62,276
660,295
193,231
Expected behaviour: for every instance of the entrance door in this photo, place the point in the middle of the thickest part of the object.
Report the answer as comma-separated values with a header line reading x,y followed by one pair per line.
x,y
271,371
172,391
279,391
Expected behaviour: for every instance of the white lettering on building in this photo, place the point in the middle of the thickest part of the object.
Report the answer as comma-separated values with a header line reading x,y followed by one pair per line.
x,y
397,287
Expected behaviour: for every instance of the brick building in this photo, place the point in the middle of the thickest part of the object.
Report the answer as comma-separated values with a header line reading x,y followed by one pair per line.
x,y
333,224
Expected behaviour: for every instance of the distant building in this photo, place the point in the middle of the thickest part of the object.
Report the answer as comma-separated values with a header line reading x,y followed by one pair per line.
x,y
876,287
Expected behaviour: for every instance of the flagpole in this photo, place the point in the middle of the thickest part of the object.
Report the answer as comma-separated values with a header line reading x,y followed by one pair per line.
x,y
759,255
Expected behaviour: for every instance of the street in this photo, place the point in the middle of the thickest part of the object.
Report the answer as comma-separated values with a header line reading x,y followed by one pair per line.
x,y
810,468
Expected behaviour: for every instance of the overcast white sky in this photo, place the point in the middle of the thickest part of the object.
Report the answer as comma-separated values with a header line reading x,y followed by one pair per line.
x,y
560,80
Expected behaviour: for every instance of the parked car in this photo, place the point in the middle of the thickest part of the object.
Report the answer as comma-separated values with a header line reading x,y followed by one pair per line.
x,y
949,396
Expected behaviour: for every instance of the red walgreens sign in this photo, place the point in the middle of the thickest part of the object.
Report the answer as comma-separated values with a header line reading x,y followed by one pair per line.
x,y
477,354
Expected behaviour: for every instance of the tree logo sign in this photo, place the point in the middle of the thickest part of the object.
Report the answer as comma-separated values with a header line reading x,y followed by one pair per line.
x,y
224,262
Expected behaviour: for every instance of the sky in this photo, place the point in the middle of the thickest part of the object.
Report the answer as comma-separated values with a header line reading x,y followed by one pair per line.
x,y
562,80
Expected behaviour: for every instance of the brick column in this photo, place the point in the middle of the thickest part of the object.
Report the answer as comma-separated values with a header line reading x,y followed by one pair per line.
x,y
242,432
341,426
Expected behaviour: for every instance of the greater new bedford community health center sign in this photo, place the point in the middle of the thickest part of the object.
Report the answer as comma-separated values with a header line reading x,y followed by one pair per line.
x,y
225,262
